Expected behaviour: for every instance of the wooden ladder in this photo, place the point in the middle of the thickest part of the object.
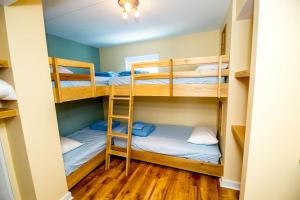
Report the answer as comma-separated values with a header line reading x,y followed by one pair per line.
x,y
110,134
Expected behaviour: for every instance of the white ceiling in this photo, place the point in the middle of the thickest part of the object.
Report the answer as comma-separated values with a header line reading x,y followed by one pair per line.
x,y
99,23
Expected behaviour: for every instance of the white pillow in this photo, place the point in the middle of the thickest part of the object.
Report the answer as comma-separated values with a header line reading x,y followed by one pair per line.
x,y
7,92
62,70
68,144
203,135
213,66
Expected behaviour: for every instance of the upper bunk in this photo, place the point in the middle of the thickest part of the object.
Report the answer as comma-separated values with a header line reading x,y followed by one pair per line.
x,y
70,86
175,77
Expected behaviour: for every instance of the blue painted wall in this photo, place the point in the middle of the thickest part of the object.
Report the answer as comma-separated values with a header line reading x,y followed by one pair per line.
x,y
75,115
63,48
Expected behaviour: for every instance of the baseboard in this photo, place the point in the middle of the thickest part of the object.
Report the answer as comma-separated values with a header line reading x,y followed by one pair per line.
x,y
67,196
229,184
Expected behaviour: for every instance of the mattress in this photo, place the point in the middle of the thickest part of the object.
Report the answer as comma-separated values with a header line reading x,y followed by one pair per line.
x,y
93,143
172,140
126,80
100,81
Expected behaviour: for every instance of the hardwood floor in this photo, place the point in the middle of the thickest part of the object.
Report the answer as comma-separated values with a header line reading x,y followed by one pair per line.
x,y
148,181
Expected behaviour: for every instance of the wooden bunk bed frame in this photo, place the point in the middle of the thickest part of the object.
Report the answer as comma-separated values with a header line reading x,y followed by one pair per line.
x,y
178,90
64,94
85,169
218,90
179,162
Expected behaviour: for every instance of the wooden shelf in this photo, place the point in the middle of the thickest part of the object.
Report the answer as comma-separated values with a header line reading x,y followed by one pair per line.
x,y
239,134
242,74
6,113
4,64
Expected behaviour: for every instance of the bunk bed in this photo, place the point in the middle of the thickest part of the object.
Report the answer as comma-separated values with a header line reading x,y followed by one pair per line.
x,y
178,83
70,87
167,145
174,86
175,82
82,160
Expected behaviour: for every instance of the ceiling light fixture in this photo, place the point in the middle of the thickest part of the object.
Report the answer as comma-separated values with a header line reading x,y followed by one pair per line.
x,y
129,6
125,15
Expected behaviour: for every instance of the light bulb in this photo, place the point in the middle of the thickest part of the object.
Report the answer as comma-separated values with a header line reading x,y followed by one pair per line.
x,y
136,13
127,6
125,15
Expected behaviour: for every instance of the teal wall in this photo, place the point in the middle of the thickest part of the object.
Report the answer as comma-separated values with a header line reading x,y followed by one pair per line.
x,y
75,115
63,48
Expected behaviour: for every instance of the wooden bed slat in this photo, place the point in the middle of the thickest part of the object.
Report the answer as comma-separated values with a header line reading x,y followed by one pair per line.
x,y
73,63
184,74
183,61
179,90
74,93
161,63
177,162
102,91
200,90
73,77
85,169
200,60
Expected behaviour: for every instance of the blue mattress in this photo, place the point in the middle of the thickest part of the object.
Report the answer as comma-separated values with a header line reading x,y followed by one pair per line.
x,y
126,80
172,140
93,143
100,81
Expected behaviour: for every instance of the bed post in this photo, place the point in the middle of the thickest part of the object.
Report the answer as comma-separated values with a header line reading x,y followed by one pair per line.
x,y
219,77
132,88
220,117
93,83
171,76
56,79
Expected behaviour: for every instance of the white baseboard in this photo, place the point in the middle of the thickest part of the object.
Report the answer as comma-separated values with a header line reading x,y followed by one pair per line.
x,y
230,184
67,196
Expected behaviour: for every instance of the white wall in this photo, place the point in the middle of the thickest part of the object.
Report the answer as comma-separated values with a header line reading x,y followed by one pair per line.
x,y
184,111
271,163
192,45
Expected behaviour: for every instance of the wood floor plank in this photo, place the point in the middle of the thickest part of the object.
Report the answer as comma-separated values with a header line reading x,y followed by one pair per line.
x,y
162,183
134,182
148,182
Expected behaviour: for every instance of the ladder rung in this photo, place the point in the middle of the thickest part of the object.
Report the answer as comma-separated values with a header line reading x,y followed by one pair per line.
x,y
119,135
118,153
120,116
121,98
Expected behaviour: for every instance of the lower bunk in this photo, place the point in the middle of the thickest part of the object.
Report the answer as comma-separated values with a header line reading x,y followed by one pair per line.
x,y
83,159
167,145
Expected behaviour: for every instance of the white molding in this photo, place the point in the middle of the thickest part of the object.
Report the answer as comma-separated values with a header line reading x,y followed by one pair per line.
x,y
230,184
67,196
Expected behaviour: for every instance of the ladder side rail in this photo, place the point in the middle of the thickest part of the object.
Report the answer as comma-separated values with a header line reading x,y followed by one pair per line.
x,y
109,128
